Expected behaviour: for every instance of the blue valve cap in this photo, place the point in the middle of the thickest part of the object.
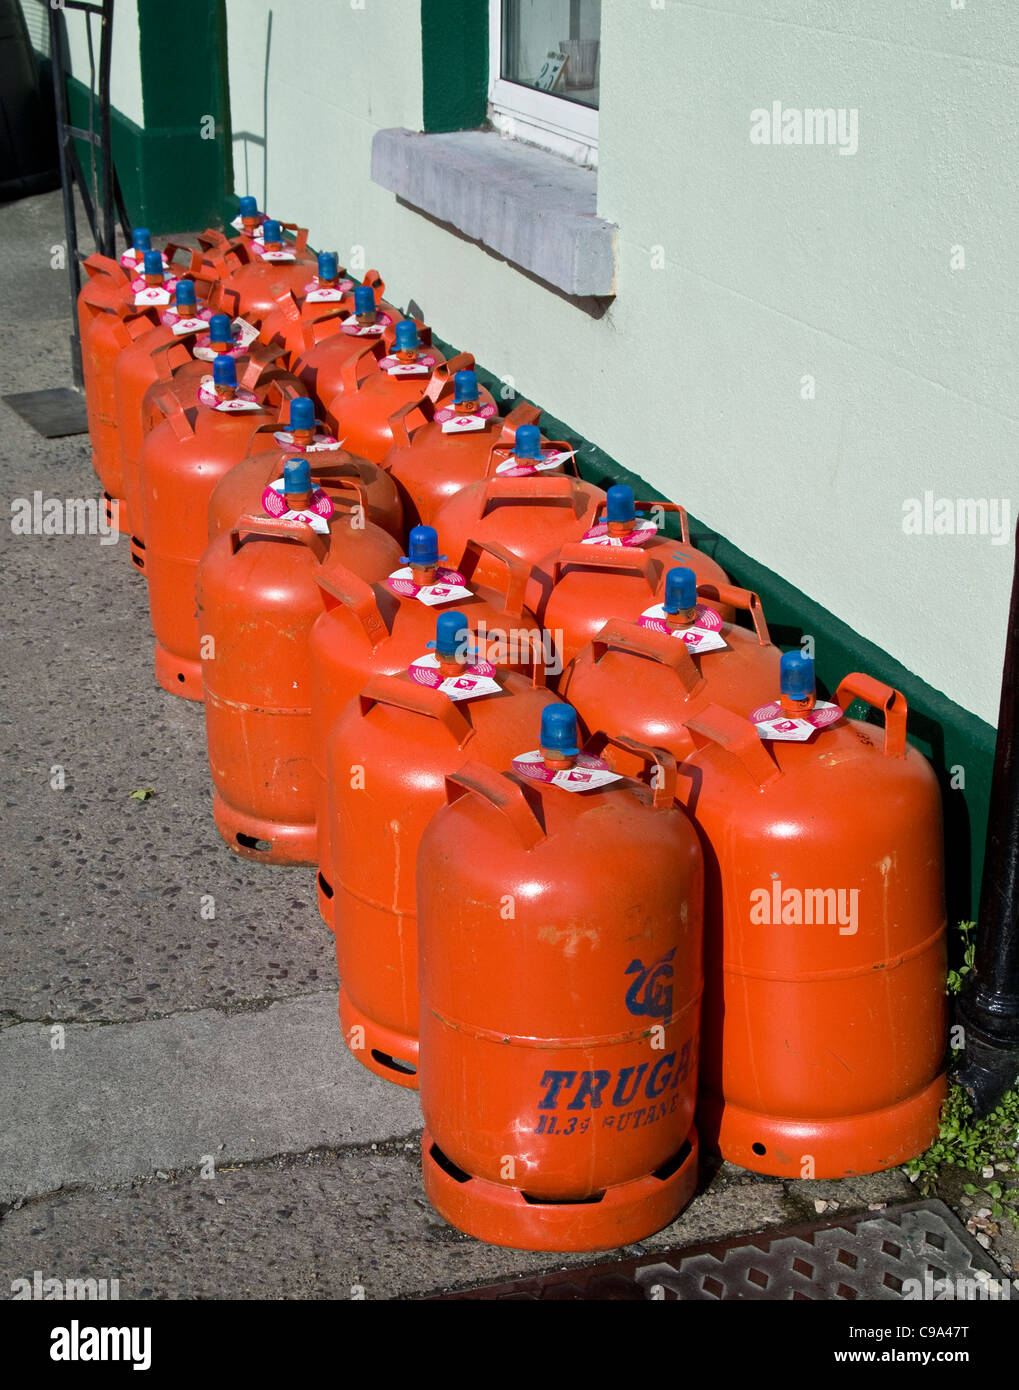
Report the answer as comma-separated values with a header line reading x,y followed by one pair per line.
x,y
328,265
224,371
620,503
186,296
364,300
680,590
141,239
527,442
796,676
271,232
152,263
296,475
559,729
407,339
422,547
452,635
302,413
221,330
465,387
249,206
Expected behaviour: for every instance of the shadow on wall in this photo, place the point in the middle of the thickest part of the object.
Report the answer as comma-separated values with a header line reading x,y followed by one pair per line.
x,y
251,142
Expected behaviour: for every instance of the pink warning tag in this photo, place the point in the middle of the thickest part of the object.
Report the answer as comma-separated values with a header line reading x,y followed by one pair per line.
x,y
243,401
643,531
134,260
513,467
354,329
244,334
702,635
274,502
452,423
585,774
314,293
421,366
150,296
473,680
773,724
321,443
448,586
182,327
283,257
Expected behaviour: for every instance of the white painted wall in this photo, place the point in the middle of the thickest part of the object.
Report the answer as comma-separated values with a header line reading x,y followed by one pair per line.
x,y
125,71
779,263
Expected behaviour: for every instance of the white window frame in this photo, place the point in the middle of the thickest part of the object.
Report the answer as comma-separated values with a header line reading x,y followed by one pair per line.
x,y
538,118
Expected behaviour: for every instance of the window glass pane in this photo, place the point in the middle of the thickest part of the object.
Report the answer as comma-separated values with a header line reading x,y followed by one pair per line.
x,y
553,45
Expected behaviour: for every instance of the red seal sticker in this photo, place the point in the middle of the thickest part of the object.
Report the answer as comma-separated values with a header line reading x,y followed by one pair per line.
x,y
448,586
772,723
585,774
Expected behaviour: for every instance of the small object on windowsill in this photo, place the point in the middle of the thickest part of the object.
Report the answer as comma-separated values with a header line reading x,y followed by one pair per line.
x,y
551,75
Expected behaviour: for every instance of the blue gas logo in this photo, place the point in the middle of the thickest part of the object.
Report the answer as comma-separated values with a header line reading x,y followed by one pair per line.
x,y
649,995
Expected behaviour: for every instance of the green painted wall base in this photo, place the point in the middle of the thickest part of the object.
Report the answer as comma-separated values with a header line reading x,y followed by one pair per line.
x,y
959,745
175,170
171,179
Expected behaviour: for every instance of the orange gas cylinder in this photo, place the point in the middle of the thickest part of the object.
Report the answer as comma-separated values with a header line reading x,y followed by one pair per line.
x,y
560,978
379,629
329,293
182,366
349,482
114,306
404,734
376,382
645,679
526,502
327,343
136,369
618,571
181,462
257,600
825,1012
260,264
104,312
442,446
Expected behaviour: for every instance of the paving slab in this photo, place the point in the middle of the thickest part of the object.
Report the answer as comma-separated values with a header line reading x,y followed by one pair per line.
x,y
341,1225
114,1102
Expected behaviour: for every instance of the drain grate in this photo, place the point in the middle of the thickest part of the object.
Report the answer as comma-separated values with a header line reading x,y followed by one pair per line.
x,y
865,1257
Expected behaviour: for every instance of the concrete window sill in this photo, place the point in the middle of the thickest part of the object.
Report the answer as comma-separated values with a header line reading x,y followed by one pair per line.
x,y
534,208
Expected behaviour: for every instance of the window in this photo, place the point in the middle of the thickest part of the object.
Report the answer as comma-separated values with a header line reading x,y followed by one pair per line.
x,y
544,74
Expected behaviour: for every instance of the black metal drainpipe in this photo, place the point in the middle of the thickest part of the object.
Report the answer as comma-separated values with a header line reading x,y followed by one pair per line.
x,y
988,1008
